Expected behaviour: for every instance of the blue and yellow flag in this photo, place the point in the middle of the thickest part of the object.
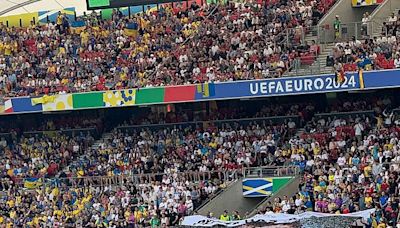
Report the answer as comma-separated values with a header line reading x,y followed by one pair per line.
x,y
77,27
32,182
131,29
205,90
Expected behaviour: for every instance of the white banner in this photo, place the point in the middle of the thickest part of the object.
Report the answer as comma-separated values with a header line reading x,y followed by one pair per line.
x,y
278,218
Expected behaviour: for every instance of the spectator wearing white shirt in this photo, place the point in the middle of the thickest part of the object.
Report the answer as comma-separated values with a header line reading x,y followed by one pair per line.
x,y
397,61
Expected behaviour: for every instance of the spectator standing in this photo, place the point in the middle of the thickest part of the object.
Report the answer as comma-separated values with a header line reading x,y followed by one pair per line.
x,y
339,72
364,25
392,20
397,61
337,24
359,128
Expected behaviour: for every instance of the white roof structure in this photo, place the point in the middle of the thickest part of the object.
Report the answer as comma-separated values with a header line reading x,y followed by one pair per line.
x,y
14,7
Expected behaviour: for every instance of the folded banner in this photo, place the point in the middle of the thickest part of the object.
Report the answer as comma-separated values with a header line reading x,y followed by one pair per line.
x,y
277,218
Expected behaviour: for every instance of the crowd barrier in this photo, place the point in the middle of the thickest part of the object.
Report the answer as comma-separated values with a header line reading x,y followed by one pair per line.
x,y
116,181
69,132
270,171
204,124
222,176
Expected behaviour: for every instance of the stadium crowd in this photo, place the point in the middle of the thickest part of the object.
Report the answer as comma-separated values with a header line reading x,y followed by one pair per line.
x,y
370,53
169,46
348,164
174,171
154,177
39,156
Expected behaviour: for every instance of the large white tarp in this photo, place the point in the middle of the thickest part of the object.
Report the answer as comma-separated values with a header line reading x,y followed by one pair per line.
x,y
277,218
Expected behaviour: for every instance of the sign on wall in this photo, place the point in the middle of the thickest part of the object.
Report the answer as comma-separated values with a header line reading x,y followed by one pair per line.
x,y
205,91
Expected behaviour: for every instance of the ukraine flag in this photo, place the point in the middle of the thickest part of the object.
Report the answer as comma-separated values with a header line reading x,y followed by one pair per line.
x,y
131,29
77,27
32,183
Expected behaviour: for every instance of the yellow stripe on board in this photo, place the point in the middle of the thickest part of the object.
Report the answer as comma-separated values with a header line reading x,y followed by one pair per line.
x,y
206,90
259,191
361,77
199,90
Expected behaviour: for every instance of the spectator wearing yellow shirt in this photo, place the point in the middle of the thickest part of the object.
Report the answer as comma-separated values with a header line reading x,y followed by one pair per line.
x,y
7,49
59,18
84,37
2,48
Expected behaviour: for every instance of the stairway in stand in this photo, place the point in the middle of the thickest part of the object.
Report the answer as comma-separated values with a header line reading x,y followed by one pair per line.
x,y
319,65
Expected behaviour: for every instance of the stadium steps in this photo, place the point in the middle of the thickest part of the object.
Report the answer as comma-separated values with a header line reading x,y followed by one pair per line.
x,y
381,14
95,146
106,136
230,199
320,63
348,15
300,132
319,66
290,189
378,28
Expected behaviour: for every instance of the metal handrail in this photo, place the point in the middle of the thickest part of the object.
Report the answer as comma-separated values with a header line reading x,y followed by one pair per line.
x,y
60,130
208,121
215,195
270,171
120,180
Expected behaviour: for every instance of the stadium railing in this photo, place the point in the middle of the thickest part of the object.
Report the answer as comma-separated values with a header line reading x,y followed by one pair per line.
x,y
223,176
70,132
325,34
270,171
242,121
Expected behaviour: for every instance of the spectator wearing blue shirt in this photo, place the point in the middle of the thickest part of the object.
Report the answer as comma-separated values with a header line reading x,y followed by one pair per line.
x,y
383,200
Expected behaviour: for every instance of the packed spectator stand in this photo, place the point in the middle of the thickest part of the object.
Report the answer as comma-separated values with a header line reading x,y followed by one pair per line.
x,y
370,51
169,46
349,164
157,174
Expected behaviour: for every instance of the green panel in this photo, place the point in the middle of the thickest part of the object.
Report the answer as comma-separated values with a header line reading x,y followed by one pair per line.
x,y
106,14
278,183
151,95
98,3
88,100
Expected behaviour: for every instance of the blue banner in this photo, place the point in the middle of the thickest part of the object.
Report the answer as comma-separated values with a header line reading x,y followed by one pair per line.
x,y
382,79
282,86
245,89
